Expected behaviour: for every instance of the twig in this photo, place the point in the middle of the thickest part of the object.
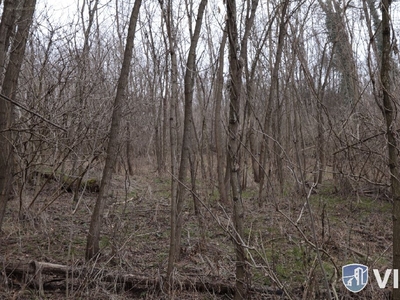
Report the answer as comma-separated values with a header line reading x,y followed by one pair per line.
x,y
235,236
358,142
31,112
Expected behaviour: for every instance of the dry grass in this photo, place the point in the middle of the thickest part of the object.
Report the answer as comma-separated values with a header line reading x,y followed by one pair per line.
x,y
135,240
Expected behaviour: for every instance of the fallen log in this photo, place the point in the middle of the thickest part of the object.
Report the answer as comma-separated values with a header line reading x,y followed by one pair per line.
x,y
50,276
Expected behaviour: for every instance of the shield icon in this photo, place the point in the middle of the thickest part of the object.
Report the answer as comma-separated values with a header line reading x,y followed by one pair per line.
x,y
355,277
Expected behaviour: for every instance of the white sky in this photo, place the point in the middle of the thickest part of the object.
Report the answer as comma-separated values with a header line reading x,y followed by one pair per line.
x,y
63,12
59,10
66,9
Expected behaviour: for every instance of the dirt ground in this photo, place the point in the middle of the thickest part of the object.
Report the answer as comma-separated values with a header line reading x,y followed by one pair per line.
x,y
135,240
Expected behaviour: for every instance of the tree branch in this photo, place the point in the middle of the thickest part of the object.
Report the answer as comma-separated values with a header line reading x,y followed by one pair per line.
x,y
32,112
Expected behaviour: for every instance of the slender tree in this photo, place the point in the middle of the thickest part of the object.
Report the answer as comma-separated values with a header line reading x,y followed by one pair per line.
x,y
81,89
92,246
344,58
9,89
389,114
273,96
173,137
176,225
219,142
235,85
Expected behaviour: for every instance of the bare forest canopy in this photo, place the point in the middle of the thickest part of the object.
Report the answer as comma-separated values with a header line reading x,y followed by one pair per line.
x,y
238,149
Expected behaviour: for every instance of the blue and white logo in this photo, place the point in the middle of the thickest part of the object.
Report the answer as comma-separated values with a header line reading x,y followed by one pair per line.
x,y
355,277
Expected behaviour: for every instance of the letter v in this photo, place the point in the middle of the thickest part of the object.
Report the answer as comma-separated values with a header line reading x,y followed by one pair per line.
x,y
382,283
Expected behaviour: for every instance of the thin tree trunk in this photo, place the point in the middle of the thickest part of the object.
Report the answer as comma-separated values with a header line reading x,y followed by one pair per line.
x,y
92,246
337,31
81,93
9,89
273,95
176,230
389,114
173,126
157,91
219,142
250,89
128,149
235,85
320,161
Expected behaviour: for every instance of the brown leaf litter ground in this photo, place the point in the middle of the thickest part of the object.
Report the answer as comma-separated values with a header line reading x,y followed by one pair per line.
x,y
135,240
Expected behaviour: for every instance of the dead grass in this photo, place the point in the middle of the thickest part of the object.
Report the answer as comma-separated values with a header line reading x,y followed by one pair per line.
x,y
135,240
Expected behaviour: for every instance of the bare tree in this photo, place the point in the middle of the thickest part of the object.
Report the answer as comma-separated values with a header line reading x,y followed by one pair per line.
x,y
219,141
9,88
389,112
81,88
250,138
6,28
338,35
173,136
177,204
235,85
273,97
92,247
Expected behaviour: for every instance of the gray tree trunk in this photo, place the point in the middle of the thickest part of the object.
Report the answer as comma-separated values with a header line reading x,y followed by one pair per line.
x,y
92,246
235,85
273,97
389,112
6,28
9,89
176,225
173,124
219,141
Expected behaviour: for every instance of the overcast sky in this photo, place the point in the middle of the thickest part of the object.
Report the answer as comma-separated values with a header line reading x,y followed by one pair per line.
x,y
63,12
58,9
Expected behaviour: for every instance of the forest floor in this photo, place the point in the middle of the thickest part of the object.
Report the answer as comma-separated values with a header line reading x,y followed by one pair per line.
x,y
135,240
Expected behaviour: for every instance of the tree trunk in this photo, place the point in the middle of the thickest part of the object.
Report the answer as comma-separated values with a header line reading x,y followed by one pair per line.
x,y
9,89
128,149
273,96
338,35
176,225
235,85
173,125
219,141
82,93
389,114
320,159
92,246
6,28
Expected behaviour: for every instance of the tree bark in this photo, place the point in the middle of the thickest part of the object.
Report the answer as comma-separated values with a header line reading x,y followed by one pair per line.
x,y
6,28
235,85
92,246
338,35
9,89
176,226
273,96
173,125
389,114
219,141
249,139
